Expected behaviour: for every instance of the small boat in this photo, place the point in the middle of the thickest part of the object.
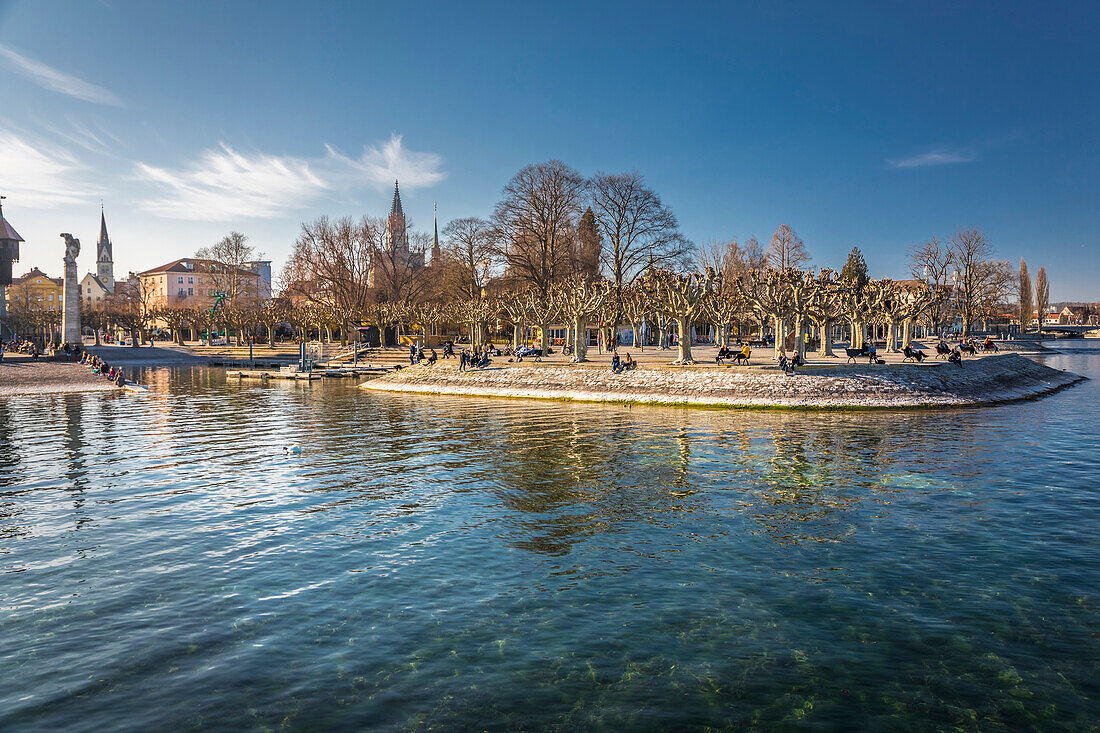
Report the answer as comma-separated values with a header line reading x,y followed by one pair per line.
x,y
135,387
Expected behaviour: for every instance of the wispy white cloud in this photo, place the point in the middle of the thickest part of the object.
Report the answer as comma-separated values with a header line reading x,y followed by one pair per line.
x,y
39,175
381,166
935,157
224,184
50,78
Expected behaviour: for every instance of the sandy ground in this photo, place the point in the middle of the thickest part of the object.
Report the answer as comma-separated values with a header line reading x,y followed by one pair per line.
x,y
20,374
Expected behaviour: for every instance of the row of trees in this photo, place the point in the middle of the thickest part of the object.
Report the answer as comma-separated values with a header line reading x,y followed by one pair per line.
x,y
560,248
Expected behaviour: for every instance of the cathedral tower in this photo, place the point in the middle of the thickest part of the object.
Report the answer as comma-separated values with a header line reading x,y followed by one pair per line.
x,y
105,261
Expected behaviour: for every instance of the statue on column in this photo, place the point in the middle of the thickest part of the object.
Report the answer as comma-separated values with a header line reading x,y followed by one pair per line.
x,y
70,317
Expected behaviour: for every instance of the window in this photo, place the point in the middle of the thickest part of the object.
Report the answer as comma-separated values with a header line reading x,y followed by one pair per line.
x,y
190,280
190,291
180,280
49,298
180,292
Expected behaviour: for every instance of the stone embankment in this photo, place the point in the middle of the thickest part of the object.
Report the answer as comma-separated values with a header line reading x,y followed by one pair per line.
x,y
985,380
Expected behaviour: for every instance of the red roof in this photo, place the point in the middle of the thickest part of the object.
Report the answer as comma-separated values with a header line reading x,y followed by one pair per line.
x,y
180,266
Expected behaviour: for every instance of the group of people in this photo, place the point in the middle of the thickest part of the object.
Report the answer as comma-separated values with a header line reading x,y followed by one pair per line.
x,y
741,352
101,367
478,360
788,364
624,364
417,355
21,346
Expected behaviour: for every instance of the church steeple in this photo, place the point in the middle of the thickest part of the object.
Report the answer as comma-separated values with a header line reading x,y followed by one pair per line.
x,y
395,208
105,261
435,237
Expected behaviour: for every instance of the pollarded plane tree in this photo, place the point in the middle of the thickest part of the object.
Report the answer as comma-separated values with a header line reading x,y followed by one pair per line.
x,y
513,304
824,308
767,293
726,307
577,299
475,313
905,301
541,311
271,313
860,303
175,319
428,315
636,307
801,285
682,297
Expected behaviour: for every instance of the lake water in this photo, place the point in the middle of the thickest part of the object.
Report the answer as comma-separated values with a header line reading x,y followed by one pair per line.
x,y
430,562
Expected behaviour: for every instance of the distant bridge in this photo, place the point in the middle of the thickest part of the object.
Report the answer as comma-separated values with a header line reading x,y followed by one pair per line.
x,y
1066,328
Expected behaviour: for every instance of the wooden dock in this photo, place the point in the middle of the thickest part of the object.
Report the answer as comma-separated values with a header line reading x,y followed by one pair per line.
x,y
316,373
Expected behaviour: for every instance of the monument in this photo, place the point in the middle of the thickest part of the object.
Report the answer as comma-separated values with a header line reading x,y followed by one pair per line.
x,y
70,319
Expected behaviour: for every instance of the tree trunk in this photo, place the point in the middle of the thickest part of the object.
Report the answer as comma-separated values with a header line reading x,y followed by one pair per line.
x,y
826,347
684,343
580,340
544,340
517,335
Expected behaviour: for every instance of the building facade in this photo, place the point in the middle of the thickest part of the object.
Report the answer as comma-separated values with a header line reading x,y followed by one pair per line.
x,y
193,282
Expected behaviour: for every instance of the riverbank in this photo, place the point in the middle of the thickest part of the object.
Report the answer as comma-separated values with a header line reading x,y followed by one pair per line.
x,y
21,375
985,380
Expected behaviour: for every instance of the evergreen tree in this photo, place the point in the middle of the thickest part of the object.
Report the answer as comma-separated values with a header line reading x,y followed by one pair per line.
x,y
855,269
589,246
1026,302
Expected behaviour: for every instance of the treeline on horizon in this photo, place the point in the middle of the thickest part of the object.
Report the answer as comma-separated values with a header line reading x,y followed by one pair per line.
x,y
560,247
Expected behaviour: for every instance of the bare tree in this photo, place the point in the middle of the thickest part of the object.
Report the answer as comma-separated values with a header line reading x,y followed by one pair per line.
x,y
978,279
1027,303
535,220
467,252
332,262
641,231
786,250
225,264
1042,294
931,263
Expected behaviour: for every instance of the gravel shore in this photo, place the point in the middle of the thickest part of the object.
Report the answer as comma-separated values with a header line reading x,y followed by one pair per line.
x,y
986,380
23,375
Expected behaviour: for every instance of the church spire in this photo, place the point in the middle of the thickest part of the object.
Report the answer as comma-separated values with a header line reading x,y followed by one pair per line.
x,y
105,261
395,209
435,235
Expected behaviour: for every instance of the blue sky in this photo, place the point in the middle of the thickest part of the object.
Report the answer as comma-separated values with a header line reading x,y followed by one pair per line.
x,y
877,125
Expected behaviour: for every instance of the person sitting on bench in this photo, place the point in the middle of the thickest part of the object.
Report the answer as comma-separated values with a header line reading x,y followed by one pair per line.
x,y
743,355
628,363
723,353
956,357
988,344
915,354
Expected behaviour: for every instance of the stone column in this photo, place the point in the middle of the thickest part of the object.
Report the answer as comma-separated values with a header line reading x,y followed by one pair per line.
x,y
70,317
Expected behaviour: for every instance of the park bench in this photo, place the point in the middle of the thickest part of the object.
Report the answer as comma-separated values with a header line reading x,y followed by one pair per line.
x,y
912,354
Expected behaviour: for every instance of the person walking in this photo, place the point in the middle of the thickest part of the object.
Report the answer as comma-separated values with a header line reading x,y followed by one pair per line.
x,y
462,361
